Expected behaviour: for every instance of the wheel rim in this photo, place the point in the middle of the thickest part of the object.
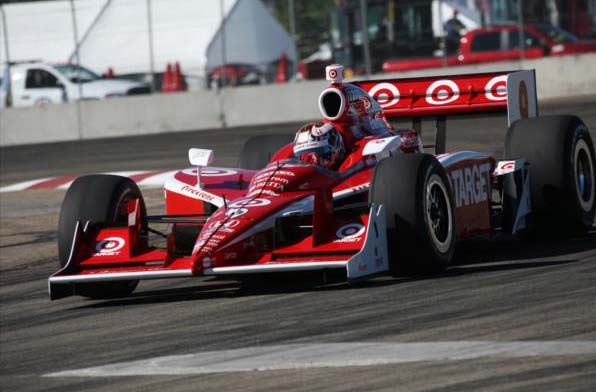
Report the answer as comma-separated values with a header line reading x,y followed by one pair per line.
x,y
438,214
584,175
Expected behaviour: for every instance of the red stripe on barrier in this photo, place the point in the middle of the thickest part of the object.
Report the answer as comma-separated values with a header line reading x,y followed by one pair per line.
x,y
142,176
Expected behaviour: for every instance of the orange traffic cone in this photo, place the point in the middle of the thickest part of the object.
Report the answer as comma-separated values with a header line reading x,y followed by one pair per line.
x,y
282,69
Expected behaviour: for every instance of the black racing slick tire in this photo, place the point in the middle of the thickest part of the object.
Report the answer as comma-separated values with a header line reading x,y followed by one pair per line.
x,y
258,150
100,199
416,194
560,152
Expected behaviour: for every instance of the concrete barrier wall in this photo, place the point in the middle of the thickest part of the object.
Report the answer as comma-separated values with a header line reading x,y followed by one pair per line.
x,y
258,105
556,77
562,77
149,114
38,125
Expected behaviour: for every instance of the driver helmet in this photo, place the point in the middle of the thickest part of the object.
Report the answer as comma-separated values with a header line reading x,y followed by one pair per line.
x,y
319,144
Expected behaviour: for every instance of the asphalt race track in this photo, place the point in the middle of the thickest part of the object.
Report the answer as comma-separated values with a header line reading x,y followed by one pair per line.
x,y
509,315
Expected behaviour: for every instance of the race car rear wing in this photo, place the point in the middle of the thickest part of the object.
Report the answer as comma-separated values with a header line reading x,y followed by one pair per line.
x,y
514,92
457,94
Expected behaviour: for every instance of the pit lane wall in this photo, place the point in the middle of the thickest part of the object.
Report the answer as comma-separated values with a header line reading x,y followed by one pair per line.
x,y
557,78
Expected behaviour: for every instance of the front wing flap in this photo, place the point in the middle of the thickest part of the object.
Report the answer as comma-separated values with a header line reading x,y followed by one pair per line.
x,y
106,255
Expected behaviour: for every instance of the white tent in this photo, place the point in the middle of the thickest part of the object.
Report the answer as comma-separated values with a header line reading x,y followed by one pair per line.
x,y
44,30
249,36
115,33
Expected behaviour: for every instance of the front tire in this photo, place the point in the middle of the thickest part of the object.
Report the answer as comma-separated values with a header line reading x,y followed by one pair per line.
x,y
420,216
102,200
561,156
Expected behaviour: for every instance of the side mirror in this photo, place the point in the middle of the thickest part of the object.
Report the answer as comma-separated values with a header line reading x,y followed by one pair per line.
x,y
200,157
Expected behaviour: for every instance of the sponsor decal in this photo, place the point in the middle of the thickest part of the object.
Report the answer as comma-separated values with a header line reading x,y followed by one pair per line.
x,y
263,192
409,141
496,88
230,255
386,94
247,203
524,106
210,172
230,224
278,173
234,212
109,246
280,180
198,193
273,184
360,105
207,262
510,165
471,184
308,145
217,225
442,92
350,232
504,167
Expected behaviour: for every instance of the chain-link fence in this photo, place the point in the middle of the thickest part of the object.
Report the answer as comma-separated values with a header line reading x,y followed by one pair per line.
x,y
164,46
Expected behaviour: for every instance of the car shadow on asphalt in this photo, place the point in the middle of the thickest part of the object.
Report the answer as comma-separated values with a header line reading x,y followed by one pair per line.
x,y
510,249
472,257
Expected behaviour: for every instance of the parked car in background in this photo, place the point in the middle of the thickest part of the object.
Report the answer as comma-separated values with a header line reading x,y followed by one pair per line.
x,y
236,75
37,83
502,43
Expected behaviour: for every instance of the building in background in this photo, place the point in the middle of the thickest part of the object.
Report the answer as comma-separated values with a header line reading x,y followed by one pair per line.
x,y
416,28
575,16
396,28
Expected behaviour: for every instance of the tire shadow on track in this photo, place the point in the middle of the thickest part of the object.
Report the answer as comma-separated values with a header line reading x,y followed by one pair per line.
x,y
511,249
474,257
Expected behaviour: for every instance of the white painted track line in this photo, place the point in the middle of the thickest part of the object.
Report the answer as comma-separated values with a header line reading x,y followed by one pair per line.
x,y
23,185
305,356
156,180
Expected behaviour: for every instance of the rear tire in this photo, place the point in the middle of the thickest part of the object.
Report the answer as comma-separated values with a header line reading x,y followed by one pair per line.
x,y
561,156
257,151
100,199
420,216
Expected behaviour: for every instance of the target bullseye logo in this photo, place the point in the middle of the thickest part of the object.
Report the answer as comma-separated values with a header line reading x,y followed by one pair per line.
x,y
333,74
442,92
351,230
509,166
210,172
386,94
232,223
496,88
110,245
247,203
234,212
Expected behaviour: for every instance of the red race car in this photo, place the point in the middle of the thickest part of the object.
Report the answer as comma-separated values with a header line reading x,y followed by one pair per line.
x,y
385,207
